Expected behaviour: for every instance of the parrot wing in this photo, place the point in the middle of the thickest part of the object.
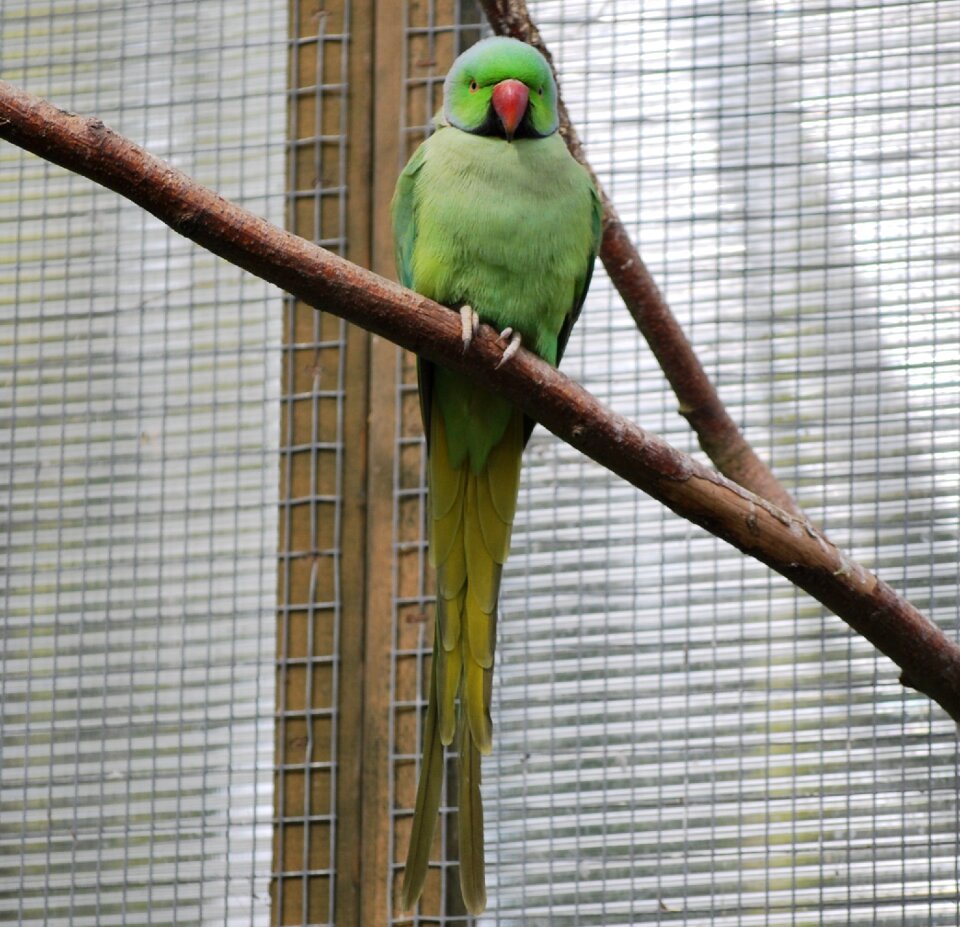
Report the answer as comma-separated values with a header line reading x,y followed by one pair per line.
x,y
405,217
404,209
583,284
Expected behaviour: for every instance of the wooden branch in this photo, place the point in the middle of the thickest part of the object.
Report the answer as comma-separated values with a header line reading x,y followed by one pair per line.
x,y
699,403
930,661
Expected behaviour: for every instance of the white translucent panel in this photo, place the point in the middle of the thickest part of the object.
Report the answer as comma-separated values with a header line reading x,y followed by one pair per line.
x,y
139,381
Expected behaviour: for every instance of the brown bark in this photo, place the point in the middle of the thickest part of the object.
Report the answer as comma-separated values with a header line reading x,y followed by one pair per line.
x,y
930,661
699,403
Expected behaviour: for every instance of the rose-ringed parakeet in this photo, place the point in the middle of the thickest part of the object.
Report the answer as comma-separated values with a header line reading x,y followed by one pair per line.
x,y
493,217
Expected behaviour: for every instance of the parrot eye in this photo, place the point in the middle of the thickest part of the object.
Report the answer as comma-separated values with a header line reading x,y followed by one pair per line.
x,y
540,91
474,86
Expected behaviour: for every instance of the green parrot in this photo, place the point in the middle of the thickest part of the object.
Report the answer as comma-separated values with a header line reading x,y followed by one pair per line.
x,y
493,217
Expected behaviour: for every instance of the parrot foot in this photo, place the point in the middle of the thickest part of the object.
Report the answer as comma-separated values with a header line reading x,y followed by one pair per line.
x,y
469,323
511,348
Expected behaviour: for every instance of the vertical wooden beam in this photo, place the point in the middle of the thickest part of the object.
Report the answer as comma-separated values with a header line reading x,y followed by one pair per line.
x,y
352,806
348,543
321,521
375,833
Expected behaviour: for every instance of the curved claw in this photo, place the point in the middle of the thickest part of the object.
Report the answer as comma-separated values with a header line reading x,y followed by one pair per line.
x,y
469,323
511,348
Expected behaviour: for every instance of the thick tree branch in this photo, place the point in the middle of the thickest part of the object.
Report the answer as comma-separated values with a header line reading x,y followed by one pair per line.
x,y
698,401
930,661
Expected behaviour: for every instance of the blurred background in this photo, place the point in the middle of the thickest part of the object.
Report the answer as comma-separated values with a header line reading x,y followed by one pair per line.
x,y
217,608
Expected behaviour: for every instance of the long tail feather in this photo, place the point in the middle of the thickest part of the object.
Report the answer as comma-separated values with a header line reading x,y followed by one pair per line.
x,y
470,819
428,798
471,516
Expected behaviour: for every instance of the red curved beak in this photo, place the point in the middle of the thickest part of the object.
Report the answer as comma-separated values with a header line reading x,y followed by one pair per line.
x,y
510,98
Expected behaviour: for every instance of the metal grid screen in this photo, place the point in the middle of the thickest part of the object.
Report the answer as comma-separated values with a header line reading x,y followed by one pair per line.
x,y
680,738
311,470
139,394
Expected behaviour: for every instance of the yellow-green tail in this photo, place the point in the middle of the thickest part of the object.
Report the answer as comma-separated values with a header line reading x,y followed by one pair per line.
x,y
471,516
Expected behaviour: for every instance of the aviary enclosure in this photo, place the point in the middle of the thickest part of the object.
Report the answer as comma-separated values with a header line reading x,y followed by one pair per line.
x,y
217,609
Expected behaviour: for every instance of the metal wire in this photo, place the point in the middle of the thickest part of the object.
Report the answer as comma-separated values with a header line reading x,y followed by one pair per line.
x,y
307,787
139,392
680,737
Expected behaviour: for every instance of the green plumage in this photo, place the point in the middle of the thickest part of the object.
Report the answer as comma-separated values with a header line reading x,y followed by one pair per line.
x,y
491,212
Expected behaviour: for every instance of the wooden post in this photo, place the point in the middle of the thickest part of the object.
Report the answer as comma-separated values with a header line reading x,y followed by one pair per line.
x,y
351,546
323,457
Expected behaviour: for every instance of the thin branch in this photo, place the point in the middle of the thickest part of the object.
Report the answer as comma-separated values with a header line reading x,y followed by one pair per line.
x,y
930,661
699,403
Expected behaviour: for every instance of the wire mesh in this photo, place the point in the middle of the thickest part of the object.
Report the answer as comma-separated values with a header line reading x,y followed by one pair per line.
x,y
679,736
311,456
139,395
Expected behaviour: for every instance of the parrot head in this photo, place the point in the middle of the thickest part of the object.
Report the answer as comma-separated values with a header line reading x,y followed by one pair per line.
x,y
503,88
